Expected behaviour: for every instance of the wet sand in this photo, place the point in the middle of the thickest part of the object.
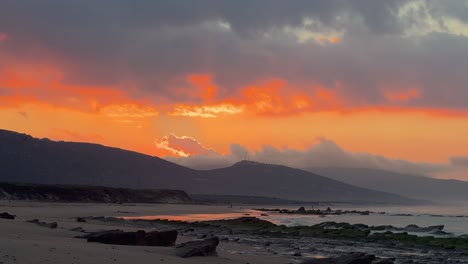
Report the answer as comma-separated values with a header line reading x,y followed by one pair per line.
x,y
22,242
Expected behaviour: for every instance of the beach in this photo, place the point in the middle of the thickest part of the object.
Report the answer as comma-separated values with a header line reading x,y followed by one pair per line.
x,y
23,242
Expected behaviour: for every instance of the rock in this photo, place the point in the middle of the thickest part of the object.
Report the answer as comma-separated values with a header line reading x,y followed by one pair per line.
x,y
81,219
77,229
351,258
52,225
383,261
139,238
44,224
297,254
161,239
205,247
301,210
7,216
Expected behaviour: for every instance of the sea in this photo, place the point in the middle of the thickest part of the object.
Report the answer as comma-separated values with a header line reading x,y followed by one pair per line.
x,y
454,217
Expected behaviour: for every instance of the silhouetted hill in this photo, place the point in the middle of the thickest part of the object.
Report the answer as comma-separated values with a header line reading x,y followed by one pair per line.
x,y
27,159
30,160
99,194
258,179
419,187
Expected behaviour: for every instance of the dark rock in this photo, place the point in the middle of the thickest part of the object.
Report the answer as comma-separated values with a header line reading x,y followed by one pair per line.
x,y
301,210
161,239
7,216
81,219
139,238
205,247
44,224
52,225
383,261
96,234
351,258
77,229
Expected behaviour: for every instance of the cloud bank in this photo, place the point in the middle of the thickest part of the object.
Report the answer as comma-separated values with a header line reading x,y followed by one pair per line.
x,y
326,153
365,52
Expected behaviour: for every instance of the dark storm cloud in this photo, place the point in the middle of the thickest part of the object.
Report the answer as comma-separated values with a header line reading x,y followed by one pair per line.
x,y
155,44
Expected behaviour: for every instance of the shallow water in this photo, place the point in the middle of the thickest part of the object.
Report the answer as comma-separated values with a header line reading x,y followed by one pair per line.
x,y
454,217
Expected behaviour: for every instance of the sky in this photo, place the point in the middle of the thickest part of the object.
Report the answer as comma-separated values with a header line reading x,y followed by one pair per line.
x,y
347,83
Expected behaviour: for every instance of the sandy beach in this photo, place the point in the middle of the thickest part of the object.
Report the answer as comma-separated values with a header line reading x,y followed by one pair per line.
x,y
22,242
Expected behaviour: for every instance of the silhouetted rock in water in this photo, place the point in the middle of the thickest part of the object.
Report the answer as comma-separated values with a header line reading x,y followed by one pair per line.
x,y
81,219
7,216
301,210
139,238
351,258
205,247
417,229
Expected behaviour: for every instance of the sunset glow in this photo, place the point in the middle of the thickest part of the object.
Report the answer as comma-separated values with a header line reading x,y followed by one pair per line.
x,y
195,87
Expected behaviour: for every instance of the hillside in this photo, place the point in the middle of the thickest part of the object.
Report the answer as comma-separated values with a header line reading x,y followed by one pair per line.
x,y
257,179
29,160
419,187
98,194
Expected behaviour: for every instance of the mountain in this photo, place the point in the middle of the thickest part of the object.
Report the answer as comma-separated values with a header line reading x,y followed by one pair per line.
x,y
418,187
31,160
27,159
257,179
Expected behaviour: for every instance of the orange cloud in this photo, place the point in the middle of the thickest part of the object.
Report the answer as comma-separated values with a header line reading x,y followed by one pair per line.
x,y
24,85
128,110
326,40
402,96
181,146
274,97
207,110
335,40
271,97
207,90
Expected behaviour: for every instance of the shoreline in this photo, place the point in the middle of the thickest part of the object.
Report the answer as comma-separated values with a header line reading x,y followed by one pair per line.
x,y
59,245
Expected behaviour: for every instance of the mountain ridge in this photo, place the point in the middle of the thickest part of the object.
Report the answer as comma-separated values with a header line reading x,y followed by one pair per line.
x,y
27,159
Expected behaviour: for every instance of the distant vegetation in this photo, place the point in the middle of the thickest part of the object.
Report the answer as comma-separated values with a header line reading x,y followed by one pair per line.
x,y
70,193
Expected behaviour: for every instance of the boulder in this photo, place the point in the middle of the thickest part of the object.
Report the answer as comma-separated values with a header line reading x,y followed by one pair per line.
x,y
301,210
81,219
44,224
351,258
205,247
139,238
7,216
52,225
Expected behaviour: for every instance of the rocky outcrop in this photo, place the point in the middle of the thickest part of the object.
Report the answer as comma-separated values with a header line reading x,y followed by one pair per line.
x,y
99,194
351,258
205,247
7,216
139,238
